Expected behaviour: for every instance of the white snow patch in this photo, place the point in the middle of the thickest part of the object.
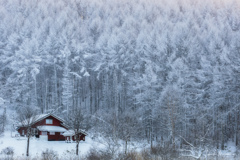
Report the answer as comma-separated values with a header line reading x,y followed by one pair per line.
x,y
69,133
230,149
19,144
52,128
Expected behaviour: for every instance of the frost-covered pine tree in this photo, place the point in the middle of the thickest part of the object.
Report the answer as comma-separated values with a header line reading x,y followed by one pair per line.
x,y
67,83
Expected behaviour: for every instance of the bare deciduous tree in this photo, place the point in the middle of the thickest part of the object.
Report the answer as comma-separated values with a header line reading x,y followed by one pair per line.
x,y
26,117
76,123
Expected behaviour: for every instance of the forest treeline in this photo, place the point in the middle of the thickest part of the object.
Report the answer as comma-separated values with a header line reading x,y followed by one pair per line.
x,y
164,71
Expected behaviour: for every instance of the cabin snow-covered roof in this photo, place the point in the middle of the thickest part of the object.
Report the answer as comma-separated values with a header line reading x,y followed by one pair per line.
x,y
51,128
68,133
72,133
38,118
42,116
32,120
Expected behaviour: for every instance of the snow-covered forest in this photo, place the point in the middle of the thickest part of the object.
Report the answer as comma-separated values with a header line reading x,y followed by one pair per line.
x,y
163,71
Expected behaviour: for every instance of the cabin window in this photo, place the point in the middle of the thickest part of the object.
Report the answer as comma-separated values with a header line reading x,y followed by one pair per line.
x,y
44,133
51,133
23,132
49,121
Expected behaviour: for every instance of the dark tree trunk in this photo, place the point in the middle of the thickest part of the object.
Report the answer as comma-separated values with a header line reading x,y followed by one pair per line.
x,y
77,145
126,147
28,140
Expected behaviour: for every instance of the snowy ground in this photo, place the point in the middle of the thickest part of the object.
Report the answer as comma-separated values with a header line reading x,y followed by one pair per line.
x,y
230,149
36,146
63,149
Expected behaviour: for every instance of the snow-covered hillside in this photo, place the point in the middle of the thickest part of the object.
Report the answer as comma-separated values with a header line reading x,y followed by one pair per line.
x,y
166,72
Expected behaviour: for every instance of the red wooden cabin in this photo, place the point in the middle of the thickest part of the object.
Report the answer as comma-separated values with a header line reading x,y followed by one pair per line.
x,y
47,127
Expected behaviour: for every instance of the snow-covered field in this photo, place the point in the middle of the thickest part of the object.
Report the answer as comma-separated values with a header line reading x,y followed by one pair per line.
x,y
64,150
19,145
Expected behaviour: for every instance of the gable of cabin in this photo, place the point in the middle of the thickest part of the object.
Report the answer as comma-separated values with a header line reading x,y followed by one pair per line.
x,y
49,121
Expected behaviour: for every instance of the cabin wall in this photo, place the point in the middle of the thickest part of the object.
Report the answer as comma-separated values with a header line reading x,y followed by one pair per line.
x,y
82,137
56,137
21,130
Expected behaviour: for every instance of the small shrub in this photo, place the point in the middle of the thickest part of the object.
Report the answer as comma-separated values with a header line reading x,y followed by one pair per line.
x,y
49,155
146,154
8,153
165,152
129,156
69,155
94,154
